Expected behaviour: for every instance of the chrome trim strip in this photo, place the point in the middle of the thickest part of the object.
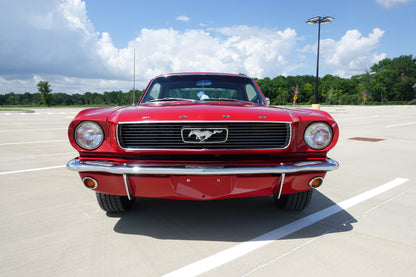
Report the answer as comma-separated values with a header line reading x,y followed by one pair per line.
x,y
281,185
126,185
113,168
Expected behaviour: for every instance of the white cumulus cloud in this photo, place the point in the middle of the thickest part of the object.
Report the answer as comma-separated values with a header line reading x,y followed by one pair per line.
x,y
239,49
389,3
183,18
56,41
353,53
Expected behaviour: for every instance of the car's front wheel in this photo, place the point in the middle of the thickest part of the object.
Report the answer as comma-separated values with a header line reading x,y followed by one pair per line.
x,y
294,201
114,203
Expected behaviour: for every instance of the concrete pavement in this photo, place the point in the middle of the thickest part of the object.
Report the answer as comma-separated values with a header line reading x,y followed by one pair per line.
x,y
50,225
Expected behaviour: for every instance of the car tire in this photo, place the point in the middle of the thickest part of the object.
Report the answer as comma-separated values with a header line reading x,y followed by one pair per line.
x,y
114,203
294,201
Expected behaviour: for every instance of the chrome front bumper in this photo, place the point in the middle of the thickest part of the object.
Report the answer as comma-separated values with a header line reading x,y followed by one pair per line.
x,y
131,169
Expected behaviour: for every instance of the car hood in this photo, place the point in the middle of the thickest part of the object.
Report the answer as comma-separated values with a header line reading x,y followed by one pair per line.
x,y
212,112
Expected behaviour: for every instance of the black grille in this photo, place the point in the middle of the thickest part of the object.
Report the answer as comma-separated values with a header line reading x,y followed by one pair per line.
x,y
240,135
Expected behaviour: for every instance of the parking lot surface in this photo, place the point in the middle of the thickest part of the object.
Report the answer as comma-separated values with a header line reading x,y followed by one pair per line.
x,y
360,221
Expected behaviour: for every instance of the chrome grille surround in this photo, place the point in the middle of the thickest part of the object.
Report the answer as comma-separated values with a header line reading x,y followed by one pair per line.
x,y
168,135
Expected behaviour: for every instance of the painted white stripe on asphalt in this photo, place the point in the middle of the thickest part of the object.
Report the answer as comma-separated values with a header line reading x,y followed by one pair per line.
x,y
32,142
357,118
327,232
31,170
37,113
29,130
401,124
244,248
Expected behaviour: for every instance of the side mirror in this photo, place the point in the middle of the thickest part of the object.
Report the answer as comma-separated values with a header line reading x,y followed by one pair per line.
x,y
268,100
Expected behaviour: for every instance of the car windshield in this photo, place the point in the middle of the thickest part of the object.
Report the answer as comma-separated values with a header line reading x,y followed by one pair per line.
x,y
192,88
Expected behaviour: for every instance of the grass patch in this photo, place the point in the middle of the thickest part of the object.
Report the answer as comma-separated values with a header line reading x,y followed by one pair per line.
x,y
15,110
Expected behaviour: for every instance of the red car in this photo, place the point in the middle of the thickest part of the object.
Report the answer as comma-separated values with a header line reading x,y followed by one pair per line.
x,y
202,136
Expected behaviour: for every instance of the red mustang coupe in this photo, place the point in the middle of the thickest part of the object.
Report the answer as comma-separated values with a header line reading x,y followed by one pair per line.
x,y
202,136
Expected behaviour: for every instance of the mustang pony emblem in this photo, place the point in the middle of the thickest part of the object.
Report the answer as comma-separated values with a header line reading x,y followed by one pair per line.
x,y
203,135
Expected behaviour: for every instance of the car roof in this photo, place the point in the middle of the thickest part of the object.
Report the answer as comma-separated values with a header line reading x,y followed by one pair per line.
x,y
202,73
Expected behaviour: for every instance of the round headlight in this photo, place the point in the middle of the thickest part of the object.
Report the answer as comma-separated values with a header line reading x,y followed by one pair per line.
x,y
89,135
318,135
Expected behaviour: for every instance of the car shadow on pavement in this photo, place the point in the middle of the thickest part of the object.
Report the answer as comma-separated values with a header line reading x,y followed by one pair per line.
x,y
234,220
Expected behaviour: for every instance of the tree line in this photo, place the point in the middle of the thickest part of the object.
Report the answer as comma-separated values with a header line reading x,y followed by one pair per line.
x,y
391,81
108,98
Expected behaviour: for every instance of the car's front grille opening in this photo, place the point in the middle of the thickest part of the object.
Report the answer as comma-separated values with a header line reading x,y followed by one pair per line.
x,y
210,136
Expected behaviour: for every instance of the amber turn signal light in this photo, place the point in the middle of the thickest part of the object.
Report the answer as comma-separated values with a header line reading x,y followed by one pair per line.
x,y
316,182
90,183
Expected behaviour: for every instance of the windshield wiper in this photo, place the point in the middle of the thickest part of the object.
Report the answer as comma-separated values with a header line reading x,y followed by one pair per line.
x,y
167,99
228,100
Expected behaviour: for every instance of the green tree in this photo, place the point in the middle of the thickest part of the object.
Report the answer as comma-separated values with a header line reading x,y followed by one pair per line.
x,y
45,92
394,79
266,86
306,93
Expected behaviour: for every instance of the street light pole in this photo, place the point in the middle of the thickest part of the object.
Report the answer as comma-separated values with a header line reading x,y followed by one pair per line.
x,y
317,64
134,77
318,20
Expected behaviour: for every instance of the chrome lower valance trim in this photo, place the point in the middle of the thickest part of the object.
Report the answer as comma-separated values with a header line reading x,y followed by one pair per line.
x,y
116,168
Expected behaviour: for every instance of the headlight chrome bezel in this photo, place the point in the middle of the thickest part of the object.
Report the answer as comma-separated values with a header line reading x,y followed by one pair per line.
x,y
318,135
89,135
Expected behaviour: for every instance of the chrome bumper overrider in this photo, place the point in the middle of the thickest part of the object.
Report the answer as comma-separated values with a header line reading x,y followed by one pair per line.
x,y
117,168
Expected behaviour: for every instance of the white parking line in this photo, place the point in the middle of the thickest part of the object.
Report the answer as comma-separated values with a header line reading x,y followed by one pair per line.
x,y
30,130
37,113
32,142
357,118
401,124
332,229
244,248
31,170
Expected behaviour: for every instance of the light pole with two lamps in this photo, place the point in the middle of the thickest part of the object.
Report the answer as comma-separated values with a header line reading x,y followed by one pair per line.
x,y
318,20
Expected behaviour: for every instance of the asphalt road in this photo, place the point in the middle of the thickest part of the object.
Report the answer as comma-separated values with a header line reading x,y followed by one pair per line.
x,y
361,221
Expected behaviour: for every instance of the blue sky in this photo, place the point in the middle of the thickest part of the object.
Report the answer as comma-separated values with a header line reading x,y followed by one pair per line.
x,y
81,46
